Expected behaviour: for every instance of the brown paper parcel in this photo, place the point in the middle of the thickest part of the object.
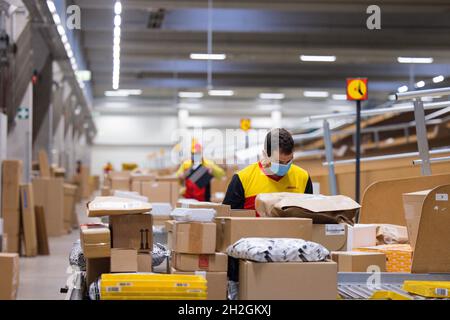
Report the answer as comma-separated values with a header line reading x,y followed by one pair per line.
x,y
321,209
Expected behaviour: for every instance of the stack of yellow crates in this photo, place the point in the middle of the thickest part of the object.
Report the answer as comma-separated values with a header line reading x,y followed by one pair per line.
x,y
399,256
147,286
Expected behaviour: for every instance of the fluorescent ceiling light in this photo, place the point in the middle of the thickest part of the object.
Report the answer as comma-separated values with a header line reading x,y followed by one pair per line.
x,y
391,97
123,93
190,94
61,30
206,56
414,60
420,84
426,99
315,94
56,18
402,89
64,39
117,31
118,8
438,79
221,93
117,21
51,6
339,96
318,58
271,96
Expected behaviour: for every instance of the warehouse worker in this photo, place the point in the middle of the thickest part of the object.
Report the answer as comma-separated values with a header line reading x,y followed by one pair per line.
x,y
274,173
192,190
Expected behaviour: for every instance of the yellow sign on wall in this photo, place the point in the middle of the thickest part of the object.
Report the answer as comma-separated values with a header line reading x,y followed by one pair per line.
x,y
246,124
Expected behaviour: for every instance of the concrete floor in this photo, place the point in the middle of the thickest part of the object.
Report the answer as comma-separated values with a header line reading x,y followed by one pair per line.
x,y
42,277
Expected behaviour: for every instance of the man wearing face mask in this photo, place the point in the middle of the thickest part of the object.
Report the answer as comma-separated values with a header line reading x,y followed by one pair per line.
x,y
192,190
274,173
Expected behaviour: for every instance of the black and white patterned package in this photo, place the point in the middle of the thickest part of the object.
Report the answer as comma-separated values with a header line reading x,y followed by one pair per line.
x,y
278,250
159,254
76,257
94,290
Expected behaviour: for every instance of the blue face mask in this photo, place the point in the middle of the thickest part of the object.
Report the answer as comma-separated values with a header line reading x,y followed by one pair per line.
x,y
280,169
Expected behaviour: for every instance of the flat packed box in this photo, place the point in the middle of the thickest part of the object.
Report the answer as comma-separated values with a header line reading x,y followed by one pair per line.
x,y
216,282
124,260
132,231
361,235
355,261
222,210
11,179
95,240
242,213
112,206
28,220
69,205
217,262
194,237
412,204
331,236
287,280
230,229
9,276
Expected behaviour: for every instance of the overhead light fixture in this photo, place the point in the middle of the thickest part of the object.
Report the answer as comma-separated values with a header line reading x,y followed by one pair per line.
x,y
414,60
77,111
420,84
392,97
56,18
61,30
116,45
123,93
438,79
339,96
184,94
206,56
318,58
426,99
271,96
402,89
51,6
316,94
221,93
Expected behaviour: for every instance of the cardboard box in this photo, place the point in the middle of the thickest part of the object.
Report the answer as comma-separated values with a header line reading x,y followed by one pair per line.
x,y
113,206
398,256
49,193
230,230
169,229
129,230
28,220
44,167
222,210
124,260
331,236
361,235
157,191
193,237
217,262
356,261
95,268
84,182
242,213
9,275
216,282
287,280
142,177
119,175
174,192
70,191
11,179
412,204
160,220
120,184
136,186
144,261
41,230
95,240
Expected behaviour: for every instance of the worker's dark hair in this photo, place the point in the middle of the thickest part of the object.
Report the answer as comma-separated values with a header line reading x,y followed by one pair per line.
x,y
285,142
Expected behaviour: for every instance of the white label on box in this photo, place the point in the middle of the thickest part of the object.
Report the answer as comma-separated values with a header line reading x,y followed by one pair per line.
x,y
441,292
334,230
441,196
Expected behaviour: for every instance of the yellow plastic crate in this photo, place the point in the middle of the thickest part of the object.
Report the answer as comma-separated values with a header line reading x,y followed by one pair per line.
x,y
135,286
428,289
388,295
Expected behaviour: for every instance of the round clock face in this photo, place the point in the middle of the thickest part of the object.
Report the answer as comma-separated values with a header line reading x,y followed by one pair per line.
x,y
357,89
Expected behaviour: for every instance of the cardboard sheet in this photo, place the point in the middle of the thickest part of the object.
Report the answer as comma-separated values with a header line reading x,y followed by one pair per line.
x,y
110,206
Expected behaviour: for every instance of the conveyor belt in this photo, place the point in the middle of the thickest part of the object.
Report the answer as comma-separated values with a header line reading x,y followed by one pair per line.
x,y
352,285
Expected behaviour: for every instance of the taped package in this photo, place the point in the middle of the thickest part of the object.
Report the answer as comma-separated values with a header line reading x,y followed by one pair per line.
x,y
428,289
399,256
193,215
391,234
321,209
110,206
